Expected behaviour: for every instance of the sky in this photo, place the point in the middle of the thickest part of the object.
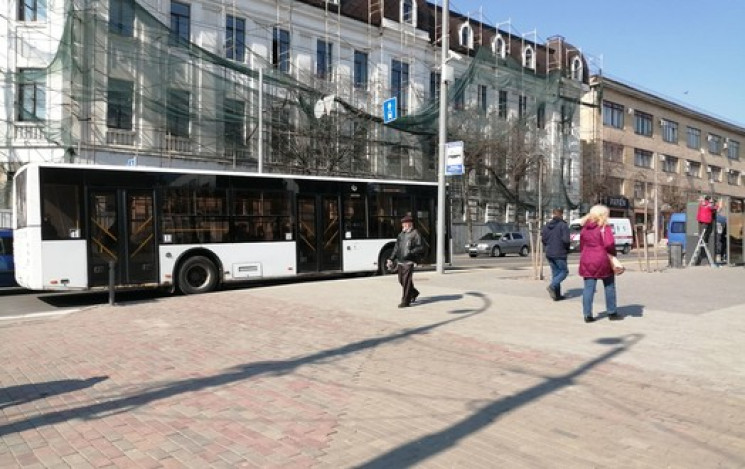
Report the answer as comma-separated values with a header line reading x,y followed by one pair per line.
x,y
687,51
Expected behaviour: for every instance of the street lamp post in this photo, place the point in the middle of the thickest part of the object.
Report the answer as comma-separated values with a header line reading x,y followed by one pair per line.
x,y
442,138
656,213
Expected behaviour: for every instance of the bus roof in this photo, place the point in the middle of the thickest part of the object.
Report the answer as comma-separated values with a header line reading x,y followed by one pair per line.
x,y
155,169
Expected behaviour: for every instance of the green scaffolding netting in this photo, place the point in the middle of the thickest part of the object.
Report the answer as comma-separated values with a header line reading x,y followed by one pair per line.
x,y
134,85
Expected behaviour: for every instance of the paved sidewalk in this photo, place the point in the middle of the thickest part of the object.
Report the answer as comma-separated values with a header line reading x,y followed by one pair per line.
x,y
485,371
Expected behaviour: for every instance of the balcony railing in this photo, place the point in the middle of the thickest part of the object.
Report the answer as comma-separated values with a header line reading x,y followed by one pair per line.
x,y
178,144
29,131
120,137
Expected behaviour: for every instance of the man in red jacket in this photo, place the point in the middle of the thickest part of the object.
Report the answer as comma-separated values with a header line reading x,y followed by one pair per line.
x,y
706,215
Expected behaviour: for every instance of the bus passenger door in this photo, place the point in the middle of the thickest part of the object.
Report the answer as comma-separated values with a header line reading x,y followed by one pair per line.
x,y
121,230
319,236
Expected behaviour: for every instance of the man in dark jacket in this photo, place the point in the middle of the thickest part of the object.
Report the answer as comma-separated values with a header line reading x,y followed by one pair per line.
x,y
555,238
407,252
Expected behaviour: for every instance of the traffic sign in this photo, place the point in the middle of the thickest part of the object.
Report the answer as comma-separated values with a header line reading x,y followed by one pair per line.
x,y
390,110
454,157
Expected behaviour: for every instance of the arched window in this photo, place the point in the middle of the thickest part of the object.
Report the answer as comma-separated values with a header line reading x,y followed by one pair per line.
x,y
408,12
528,57
499,47
577,69
466,36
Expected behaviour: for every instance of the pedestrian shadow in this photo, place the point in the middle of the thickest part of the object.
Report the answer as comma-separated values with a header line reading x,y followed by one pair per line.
x,y
486,302
416,451
633,310
24,393
114,406
437,298
573,293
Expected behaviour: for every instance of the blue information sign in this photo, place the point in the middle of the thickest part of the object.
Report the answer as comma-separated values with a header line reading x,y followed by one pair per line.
x,y
390,110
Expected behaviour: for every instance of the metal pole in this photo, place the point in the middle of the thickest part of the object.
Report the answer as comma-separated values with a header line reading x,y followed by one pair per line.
x,y
656,212
260,150
111,283
442,138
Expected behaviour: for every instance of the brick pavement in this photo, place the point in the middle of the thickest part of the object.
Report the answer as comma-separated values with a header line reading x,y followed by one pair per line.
x,y
485,371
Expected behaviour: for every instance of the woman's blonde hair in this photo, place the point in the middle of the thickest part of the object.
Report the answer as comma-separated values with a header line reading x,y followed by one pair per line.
x,y
598,213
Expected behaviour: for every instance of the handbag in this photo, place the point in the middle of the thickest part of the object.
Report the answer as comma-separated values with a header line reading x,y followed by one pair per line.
x,y
615,264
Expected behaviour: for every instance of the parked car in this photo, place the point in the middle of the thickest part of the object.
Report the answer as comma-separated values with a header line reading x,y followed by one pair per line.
x,y
499,244
7,277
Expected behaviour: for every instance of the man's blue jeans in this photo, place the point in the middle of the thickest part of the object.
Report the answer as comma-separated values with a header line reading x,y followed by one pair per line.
x,y
559,271
589,293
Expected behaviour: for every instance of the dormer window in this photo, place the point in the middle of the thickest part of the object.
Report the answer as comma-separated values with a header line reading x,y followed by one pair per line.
x,y
529,57
466,36
408,12
499,47
577,69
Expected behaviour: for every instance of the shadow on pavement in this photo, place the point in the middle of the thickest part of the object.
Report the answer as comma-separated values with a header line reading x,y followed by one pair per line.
x,y
231,375
420,449
21,394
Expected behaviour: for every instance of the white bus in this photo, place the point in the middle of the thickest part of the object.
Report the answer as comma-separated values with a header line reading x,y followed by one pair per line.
x,y
194,230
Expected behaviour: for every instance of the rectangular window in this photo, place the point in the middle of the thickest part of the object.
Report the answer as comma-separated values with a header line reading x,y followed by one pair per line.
x,y
261,216
540,118
733,149
503,104
281,50
32,10
460,100
670,164
733,177
434,86
32,96
360,70
642,158
693,138
613,152
693,169
639,192
180,23
482,103
715,173
195,210
612,114
235,123
522,106
177,114
60,211
715,144
669,131
324,59
400,85
121,17
642,123
119,104
235,38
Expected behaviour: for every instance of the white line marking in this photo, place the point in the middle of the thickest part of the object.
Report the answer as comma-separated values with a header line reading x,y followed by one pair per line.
x,y
39,315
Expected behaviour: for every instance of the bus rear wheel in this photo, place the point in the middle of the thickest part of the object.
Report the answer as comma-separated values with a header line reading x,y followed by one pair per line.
x,y
384,256
198,274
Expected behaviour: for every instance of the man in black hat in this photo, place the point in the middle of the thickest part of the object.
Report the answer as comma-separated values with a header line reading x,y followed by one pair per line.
x,y
407,252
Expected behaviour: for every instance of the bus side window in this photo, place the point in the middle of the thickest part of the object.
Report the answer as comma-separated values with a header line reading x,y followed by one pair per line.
x,y
60,212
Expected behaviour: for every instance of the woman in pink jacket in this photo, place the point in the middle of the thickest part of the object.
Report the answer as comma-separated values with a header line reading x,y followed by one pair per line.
x,y
596,243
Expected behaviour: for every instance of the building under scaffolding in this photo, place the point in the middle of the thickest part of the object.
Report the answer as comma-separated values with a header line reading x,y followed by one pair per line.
x,y
294,86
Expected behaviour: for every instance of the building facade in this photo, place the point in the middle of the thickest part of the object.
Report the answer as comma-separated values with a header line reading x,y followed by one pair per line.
x,y
288,86
643,151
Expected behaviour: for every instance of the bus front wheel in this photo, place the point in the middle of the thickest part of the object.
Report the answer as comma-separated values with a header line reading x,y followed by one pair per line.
x,y
197,275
